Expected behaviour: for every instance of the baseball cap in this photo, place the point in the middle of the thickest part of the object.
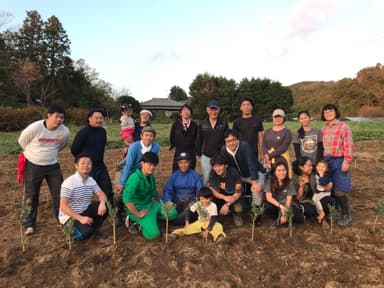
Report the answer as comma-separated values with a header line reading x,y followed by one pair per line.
x,y
213,104
146,111
149,128
183,156
278,112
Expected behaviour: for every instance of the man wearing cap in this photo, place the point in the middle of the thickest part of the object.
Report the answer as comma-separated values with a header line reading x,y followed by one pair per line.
x,y
91,140
145,118
181,188
249,127
210,137
276,141
135,153
183,136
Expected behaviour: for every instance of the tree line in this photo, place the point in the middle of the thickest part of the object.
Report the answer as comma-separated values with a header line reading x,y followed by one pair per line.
x,y
36,68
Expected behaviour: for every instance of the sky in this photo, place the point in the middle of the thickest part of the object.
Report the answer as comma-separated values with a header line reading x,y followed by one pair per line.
x,y
149,46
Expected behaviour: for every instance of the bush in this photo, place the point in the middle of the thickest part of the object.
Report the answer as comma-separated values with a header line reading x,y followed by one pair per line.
x,y
12,119
76,116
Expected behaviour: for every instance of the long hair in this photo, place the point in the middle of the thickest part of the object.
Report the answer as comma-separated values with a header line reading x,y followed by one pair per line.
x,y
276,188
299,163
301,129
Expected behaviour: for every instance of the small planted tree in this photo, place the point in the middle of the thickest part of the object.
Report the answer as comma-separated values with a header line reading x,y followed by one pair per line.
x,y
68,232
13,188
112,213
24,211
289,214
203,213
256,211
166,209
379,210
332,216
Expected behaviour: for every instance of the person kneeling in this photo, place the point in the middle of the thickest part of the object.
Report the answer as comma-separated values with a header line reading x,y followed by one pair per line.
x,y
76,196
139,197
206,223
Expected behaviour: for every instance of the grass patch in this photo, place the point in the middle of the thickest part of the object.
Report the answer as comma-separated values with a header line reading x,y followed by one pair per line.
x,y
361,131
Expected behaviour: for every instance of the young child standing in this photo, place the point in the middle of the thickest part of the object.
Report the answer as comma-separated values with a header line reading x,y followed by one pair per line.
x,y
323,187
207,218
127,123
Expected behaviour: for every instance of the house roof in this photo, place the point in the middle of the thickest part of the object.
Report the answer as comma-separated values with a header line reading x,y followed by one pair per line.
x,y
161,104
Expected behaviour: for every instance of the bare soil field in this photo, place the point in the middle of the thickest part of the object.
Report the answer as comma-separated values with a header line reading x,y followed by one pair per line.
x,y
352,257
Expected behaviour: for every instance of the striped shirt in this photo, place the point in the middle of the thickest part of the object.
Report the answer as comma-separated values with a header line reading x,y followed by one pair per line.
x,y
79,193
337,140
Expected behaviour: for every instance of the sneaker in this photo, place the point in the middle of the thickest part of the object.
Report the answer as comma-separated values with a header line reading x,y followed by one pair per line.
x,y
126,222
258,221
220,238
237,220
29,231
134,228
344,221
274,224
324,224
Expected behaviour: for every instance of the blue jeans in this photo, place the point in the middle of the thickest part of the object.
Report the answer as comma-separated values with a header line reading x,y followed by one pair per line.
x,y
206,167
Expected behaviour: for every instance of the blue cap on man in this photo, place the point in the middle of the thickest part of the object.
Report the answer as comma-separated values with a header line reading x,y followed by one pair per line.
x,y
213,104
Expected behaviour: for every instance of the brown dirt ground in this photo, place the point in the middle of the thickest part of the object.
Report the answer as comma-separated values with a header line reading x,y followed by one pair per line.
x,y
353,257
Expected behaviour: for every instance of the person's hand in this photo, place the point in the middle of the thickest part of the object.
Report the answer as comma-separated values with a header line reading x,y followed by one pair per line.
x,y
345,167
256,188
283,209
303,181
266,159
101,209
119,188
86,220
224,210
205,233
283,219
229,199
142,213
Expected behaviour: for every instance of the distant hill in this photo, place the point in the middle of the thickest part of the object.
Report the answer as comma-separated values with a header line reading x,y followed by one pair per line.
x,y
360,96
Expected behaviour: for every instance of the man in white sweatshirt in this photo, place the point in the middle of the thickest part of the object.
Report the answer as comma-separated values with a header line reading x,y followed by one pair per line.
x,y
41,141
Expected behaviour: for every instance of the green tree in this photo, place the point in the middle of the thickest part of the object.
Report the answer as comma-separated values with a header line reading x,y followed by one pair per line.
x,y
206,87
56,46
8,93
266,95
177,94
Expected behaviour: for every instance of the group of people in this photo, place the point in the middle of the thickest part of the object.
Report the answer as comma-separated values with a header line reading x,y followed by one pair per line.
x,y
241,167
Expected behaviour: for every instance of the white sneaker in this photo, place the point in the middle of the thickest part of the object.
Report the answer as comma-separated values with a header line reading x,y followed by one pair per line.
x,y
29,231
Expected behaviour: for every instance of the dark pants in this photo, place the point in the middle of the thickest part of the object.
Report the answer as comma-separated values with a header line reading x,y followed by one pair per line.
x,y
274,212
237,208
84,231
101,176
182,208
34,176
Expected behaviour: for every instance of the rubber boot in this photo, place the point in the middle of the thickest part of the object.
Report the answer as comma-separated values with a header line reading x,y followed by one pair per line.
x,y
345,218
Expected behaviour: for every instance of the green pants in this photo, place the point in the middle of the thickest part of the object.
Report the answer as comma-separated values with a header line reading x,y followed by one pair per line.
x,y
149,223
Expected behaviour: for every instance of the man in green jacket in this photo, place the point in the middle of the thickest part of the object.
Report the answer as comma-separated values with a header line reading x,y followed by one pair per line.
x,y
140,197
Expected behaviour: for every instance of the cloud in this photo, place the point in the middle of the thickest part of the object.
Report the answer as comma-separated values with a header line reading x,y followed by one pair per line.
x,y
308,15
164,56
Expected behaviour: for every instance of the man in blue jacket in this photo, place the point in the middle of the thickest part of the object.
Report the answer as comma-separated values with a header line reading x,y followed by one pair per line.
x,y
181,188
240,156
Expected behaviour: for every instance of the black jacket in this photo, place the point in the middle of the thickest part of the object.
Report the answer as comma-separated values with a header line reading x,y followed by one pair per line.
x,y
209,140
